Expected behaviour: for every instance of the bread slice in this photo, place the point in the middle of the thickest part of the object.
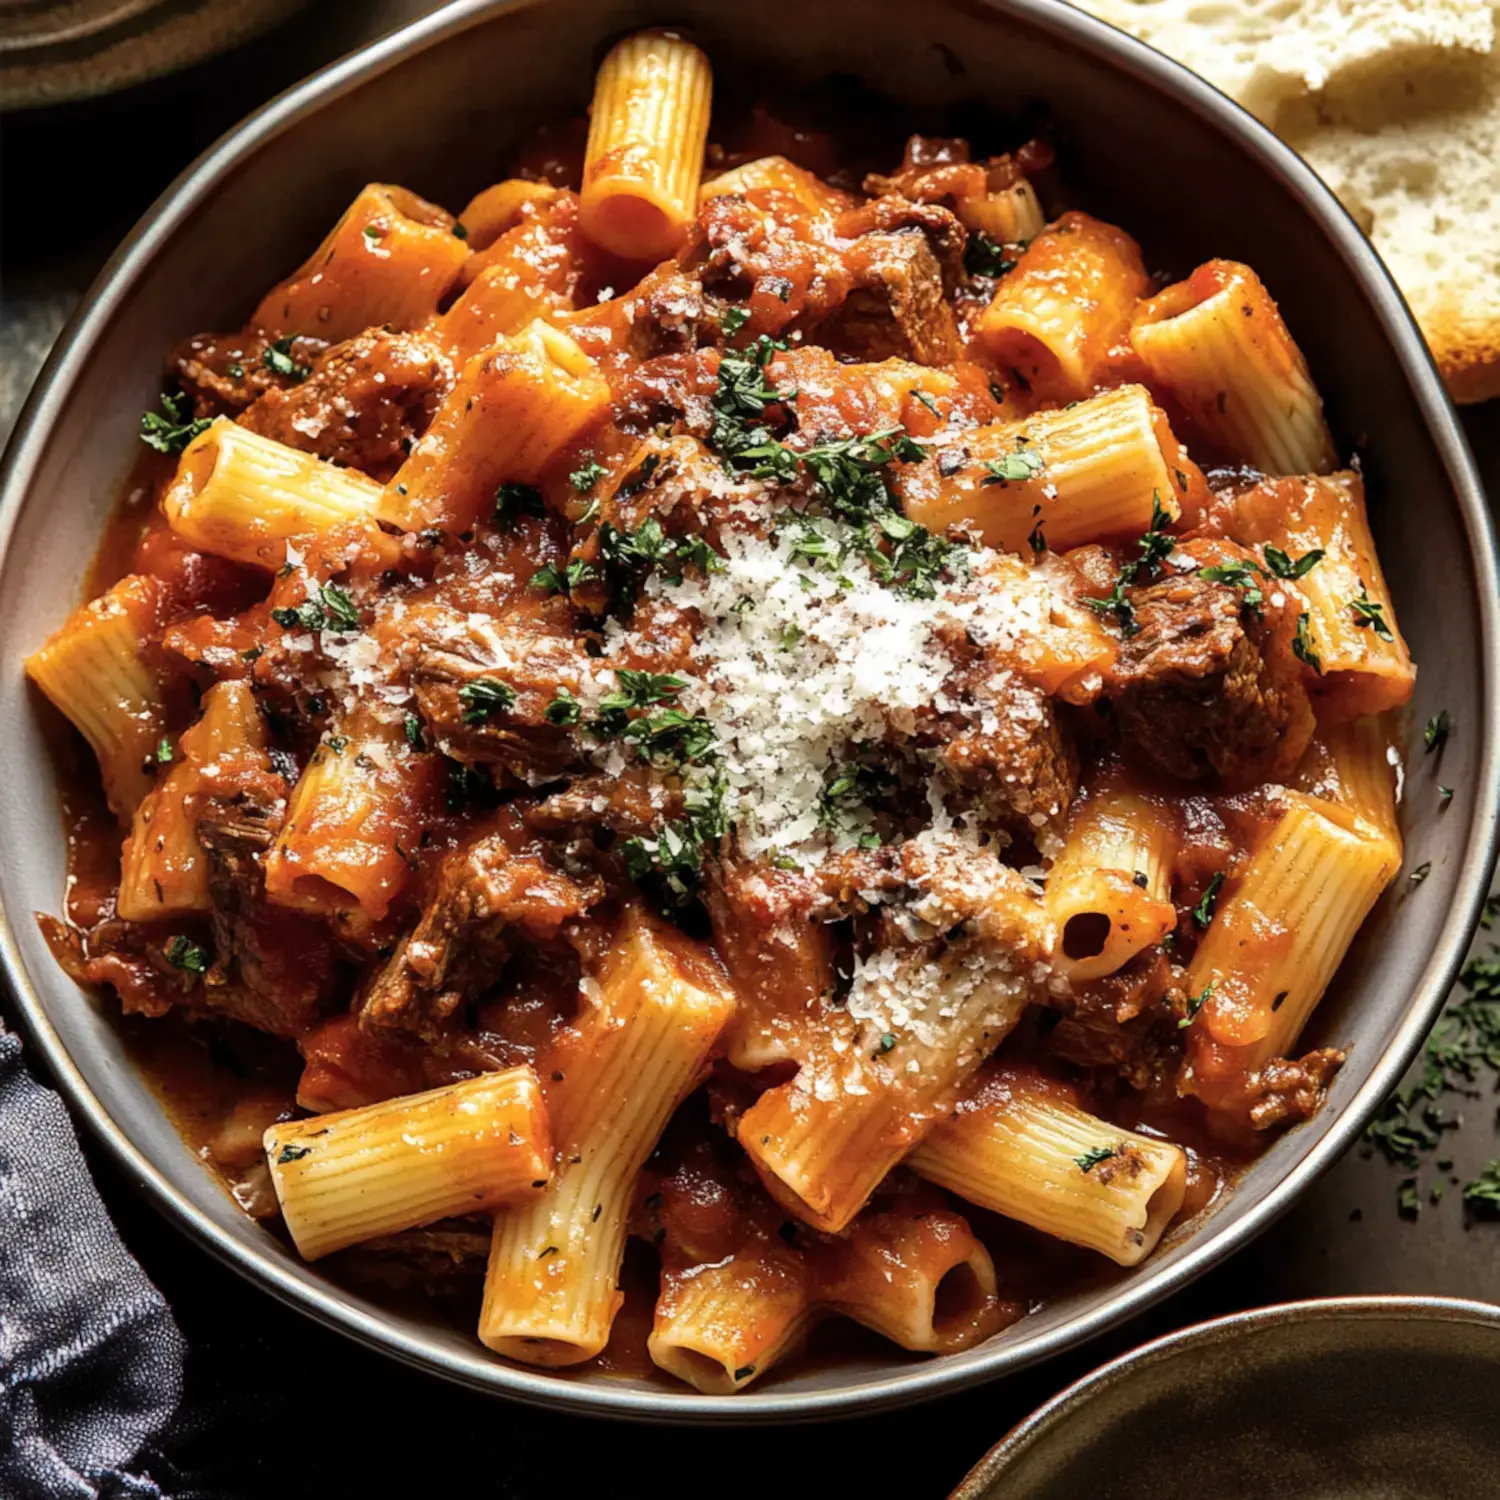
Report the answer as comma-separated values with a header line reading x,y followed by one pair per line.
x,y
1396,104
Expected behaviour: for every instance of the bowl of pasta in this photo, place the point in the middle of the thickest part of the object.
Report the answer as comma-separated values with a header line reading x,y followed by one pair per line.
x,y
744,740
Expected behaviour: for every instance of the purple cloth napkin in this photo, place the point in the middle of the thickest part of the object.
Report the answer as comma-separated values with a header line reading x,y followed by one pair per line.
x,y
91,1359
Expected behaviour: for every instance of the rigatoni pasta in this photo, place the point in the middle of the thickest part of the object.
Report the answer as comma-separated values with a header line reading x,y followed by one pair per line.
x,y
707,703
465,1148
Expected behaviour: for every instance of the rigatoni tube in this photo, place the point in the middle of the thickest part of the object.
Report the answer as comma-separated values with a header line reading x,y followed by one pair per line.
x,y
916,1273
515,407
94,668
1356,658
1218,344
243,496
1280,932
1084,473
648,125
1109,891
1061,316
389,260
721,1325
466,1148
1019,1146
551,1292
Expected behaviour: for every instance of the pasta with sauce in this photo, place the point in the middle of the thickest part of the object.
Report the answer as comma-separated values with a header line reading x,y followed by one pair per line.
x,y
828,724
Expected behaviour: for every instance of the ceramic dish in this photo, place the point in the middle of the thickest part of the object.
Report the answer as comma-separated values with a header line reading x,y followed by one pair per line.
x,y
437,106
1394,1397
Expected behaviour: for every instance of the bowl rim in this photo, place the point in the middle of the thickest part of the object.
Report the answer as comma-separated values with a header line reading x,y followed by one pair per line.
x,y
1058,1410
300,1286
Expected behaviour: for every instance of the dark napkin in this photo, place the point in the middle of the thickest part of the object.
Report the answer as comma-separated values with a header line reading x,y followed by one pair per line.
x,y
91,1359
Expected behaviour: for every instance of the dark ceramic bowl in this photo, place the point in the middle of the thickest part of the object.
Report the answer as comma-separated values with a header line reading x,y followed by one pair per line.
x,y
1357,1398
436,107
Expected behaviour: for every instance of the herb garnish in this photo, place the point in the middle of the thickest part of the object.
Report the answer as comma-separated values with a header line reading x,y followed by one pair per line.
x,y
563,710
1369,614
326,608
1014,468
563,580
1238,575
1203,912
1155,545
1096,1154
277,358
483,697
734,319
515,500
986,256
1282,566
289,1152
1435,735
184,953
171,429
1302,644
1195,1003
586,476
164,751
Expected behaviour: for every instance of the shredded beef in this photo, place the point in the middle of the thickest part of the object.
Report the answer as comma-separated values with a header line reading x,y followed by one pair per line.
x,y
1208,684
495,883
1124,1022
365,403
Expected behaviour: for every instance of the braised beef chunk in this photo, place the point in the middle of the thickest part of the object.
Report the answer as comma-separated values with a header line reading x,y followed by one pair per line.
x,y
1287,1090
1208,685
629,805
1010,759
896,308
365,403
485,697
1125,1022
894,213
484,889
223,373
272,968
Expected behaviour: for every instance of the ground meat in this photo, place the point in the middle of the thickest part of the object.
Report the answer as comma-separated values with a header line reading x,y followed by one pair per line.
x,y
497,882
1286,1091
365,403
272,968
1208,683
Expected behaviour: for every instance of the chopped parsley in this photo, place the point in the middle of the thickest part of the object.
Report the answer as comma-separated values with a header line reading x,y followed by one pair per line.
x,y
485,696
277,358
986,256
1435,735
1014,468
184,953
512,501
1238,575
1195,1003
326,608
673,860
1369,614
289,1152
734,319
413,728
885,1044
739,403
1154,546
164,751
1203,912
1096,1154
460,230
1483,1193
562,580
563,710
586,476
928,401
171,429
1303,647
1461,1049
1282,566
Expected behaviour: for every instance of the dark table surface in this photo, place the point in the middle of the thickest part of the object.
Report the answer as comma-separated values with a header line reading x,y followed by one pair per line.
x,y
72,181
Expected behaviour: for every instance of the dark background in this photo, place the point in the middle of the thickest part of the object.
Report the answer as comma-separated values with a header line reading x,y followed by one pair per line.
x,y
275,1405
